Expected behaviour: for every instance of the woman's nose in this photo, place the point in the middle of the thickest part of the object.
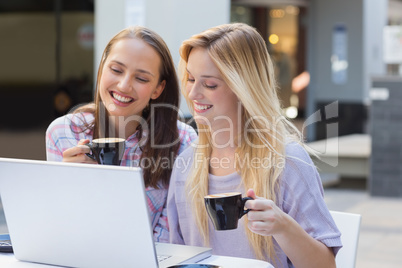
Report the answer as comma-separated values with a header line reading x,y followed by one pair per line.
x,y
125,84
194,91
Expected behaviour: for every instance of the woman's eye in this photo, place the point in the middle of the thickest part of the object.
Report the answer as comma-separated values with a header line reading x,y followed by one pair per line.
x,y
210,86
191,80
116,70
142,79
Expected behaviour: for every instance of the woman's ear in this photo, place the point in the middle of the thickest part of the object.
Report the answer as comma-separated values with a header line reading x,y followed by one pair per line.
x,y
159,89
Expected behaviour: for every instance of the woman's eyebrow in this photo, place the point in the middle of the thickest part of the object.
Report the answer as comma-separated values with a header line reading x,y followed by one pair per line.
x,y
118,62
211,76
137,70
145,72
207,76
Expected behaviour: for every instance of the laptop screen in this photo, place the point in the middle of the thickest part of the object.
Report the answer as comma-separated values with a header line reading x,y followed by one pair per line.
x,y
77,215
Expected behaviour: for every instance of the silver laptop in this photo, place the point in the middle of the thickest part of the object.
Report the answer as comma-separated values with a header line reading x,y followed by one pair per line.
x,y
82,215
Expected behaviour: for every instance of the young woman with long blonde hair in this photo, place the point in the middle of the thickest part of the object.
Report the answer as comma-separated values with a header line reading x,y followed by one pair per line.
x,y
246,145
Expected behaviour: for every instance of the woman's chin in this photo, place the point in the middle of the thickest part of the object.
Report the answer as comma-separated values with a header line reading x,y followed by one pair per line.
x,y
202,121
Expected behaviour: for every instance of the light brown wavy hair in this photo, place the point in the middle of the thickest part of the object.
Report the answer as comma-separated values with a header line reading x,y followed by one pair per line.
x,y
164,130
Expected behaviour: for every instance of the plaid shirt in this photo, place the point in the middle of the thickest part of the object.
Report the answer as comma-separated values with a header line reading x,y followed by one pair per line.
x,y
62,134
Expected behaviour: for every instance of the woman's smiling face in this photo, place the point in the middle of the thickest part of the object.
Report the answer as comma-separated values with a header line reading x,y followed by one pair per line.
x,y
130,77
214,102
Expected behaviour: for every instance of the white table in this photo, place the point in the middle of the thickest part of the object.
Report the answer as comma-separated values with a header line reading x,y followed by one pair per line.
x,y
7,260
232,262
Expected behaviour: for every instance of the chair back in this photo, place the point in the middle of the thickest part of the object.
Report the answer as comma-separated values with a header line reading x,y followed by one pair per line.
x,y
349,225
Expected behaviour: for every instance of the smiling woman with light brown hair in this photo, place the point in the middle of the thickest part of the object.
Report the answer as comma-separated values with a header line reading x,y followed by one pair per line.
x,y
137,99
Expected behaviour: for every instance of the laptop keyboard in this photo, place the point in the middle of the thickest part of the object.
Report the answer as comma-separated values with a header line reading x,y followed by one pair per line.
x,y
163,257
5,246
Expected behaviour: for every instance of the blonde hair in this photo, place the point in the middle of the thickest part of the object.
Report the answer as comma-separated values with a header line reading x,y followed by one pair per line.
x,y
240,54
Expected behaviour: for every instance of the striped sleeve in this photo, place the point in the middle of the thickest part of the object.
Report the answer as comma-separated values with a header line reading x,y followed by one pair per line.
x,y
63,133
187,135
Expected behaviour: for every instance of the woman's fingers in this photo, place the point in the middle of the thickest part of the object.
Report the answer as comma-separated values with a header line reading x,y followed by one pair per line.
x,y
78,153
83,141
264,218
260,227
260,204
75,151
251,193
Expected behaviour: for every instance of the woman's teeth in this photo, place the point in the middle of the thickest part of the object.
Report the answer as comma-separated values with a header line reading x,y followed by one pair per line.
x,y
202,107
121,98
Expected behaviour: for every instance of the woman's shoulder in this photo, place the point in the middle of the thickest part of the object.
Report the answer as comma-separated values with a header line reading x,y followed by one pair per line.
x,y
188,152
187,135
299,151
185,128
298,159
299,167
70,120
183,163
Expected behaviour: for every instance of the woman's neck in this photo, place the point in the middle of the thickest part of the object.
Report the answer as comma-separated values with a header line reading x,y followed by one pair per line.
x,y
222,161
225,136
223,155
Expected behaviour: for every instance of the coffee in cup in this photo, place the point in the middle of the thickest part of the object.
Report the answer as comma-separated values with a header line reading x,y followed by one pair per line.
x,y
226,209
107,151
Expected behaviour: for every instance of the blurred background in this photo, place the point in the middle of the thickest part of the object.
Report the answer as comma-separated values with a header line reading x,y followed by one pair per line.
x,y
324,52
47,67
338,66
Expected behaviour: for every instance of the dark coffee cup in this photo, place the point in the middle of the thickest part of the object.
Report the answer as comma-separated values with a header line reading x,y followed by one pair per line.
x,y
226,209
107,151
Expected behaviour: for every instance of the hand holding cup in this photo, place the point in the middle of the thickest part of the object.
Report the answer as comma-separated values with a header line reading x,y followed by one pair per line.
x,y
77,154
266,218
